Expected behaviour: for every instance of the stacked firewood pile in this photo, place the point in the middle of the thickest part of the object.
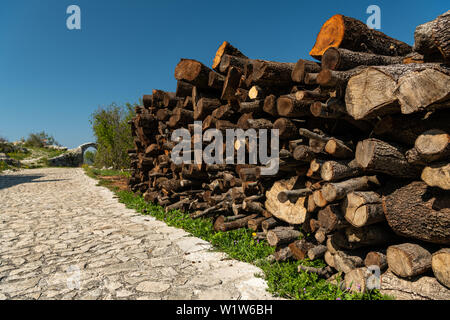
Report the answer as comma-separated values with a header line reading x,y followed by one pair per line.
x,y
364,173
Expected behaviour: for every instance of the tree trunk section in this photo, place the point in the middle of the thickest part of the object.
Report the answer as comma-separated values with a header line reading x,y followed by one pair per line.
x,y
225,48
337,191
341,59
344,32
437,175
408,260
419,212
379,156
432,39
292,213
280,235
421,288
363,208
440,263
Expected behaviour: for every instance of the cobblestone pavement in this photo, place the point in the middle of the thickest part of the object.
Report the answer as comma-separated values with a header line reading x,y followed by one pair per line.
x,y
63,237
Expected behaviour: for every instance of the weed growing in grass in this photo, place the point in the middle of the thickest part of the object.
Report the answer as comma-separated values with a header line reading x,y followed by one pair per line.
x,y
18,155
282,278
3,166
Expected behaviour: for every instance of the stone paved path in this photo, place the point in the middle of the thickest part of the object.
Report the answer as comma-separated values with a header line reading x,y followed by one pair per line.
x,y
63,237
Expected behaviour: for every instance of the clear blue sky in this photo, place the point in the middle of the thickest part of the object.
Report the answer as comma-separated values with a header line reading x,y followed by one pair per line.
x,y
52,79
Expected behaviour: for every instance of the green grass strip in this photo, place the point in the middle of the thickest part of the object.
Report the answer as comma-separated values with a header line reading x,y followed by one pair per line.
x,y
282,278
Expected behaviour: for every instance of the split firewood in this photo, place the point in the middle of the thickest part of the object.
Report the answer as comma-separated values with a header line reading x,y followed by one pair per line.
x,y
440,263
344,32
417,211
408,259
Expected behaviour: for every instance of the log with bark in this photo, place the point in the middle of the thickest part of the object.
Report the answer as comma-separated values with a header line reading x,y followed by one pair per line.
x,y
382,90
282,235
408,260
363,208
440,263
417,211
417,288
225,49
345,32
432,39
342,59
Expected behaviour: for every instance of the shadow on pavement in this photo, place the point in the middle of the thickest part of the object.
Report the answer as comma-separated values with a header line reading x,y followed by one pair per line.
x,y
8,181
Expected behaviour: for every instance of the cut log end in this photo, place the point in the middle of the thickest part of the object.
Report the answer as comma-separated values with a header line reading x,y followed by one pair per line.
x,y
331,35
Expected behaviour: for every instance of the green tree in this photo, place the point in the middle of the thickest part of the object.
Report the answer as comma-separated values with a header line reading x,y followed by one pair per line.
x,y
40,139
113,135
89,157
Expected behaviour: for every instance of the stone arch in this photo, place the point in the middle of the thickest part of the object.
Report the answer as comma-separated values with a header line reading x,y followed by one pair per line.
x,y
73,157
84,148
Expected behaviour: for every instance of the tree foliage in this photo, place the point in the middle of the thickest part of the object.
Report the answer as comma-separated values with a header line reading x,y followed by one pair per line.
x,y
113,135
40,140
